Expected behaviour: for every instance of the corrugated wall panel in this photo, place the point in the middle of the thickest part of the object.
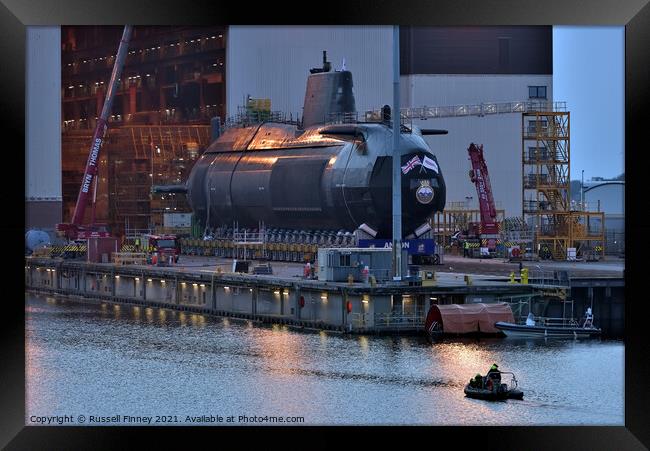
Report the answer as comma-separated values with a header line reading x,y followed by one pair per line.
x,y
273,62
43,114
501,139
499,134
443,90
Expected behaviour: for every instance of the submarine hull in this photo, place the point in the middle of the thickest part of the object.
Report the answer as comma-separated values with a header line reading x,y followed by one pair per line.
x,y
328,174
313,181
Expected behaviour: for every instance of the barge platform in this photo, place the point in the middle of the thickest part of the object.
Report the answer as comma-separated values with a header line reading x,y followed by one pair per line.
x,y
203,285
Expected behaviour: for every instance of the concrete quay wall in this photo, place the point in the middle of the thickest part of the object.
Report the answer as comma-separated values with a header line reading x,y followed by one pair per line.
x,y
305,303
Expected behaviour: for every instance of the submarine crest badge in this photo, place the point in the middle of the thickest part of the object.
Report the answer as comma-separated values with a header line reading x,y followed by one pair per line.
x,y
424,193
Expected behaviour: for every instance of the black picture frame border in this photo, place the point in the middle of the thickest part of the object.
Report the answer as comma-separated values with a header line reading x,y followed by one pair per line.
x,y
15,15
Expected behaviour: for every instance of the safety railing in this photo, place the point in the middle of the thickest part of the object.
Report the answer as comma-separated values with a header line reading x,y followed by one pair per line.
x,y
479,109
549,278
556,322
244,119
399,321
249,237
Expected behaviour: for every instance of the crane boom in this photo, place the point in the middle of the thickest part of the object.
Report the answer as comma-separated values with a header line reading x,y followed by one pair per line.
x,y
73,228
489,227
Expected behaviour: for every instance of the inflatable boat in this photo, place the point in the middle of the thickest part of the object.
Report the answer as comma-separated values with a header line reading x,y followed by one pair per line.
x,y
495,392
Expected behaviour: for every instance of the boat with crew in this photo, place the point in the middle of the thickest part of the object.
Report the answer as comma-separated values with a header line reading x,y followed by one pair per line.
x,y
489,390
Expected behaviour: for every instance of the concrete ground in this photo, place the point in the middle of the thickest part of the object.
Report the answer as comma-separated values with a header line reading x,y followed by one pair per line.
x,y
453,267
610,267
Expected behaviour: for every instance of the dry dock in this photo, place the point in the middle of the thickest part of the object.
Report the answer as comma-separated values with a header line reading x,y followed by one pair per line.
x,y
205,285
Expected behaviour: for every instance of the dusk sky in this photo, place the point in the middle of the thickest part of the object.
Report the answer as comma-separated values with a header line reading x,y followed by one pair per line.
x,y
588,73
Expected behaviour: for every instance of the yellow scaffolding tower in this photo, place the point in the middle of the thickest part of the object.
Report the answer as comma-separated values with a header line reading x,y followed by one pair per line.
x,y
546,190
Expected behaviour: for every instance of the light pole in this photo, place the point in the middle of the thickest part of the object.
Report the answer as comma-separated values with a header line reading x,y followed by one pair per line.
x,y
582,191
397,162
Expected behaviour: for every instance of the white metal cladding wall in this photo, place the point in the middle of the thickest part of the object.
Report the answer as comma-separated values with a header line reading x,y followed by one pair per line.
x,y
501,139
610,195
500,134
43,114
274,61
445,90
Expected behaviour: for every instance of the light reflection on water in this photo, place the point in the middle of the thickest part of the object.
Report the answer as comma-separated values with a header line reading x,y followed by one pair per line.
x,y
106,359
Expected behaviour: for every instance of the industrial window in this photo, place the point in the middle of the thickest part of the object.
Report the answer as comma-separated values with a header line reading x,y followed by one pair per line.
x,y
537,92
345,260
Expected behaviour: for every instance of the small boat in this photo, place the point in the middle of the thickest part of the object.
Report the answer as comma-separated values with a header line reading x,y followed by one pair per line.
x,y
496,393
549,327
522,330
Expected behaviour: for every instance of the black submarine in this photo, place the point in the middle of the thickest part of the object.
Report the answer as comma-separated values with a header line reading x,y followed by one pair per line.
x,y
322,173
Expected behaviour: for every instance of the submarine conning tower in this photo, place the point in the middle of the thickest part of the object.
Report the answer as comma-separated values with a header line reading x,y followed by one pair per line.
x,y
328,95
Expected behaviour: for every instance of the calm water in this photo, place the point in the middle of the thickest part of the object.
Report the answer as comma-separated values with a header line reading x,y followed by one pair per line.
x,y
106,360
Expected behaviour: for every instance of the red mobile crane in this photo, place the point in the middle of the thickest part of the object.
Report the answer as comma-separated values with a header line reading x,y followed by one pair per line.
x,y
75,230
487,231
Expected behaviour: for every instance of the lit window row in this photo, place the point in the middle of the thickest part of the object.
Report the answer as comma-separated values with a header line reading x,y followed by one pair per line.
x,y
132,52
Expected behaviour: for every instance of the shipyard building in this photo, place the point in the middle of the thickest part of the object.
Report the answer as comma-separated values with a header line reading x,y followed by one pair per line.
x,y
608,196
177,78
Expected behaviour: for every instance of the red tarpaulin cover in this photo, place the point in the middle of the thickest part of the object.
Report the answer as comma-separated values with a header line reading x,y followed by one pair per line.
x,y
466,318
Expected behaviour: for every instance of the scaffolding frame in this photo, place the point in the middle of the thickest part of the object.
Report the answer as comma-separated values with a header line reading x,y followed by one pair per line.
x,y
546,189
449,221
133,152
